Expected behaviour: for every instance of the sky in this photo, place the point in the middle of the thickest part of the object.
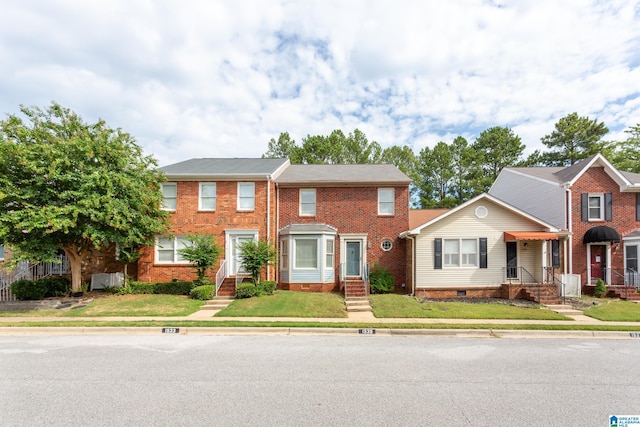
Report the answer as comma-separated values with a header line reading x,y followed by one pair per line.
x,y
220,78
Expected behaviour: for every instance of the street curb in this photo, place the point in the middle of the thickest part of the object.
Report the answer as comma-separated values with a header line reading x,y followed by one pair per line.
x,y
233,331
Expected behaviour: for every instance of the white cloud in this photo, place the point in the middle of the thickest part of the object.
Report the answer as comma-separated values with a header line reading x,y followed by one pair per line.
x,y
221,78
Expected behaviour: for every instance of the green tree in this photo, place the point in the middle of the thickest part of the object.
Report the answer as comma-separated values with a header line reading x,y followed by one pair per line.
x,y
437,174
283,148
574,138
203,252
256,255
495,148
128,255
626,155
66,184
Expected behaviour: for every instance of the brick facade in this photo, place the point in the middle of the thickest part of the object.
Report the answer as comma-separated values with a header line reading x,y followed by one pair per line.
x,y
187,219
354,210
595,180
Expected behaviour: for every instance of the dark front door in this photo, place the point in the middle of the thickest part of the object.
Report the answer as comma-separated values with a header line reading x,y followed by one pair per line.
x,y
598,261
512,260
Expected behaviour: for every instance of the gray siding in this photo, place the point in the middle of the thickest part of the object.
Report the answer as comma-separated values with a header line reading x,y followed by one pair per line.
x,y
542,199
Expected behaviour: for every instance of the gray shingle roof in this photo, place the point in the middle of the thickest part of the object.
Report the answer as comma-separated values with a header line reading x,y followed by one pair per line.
x,y
343,175
224,168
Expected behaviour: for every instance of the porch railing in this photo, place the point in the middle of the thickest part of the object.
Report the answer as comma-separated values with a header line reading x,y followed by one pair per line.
x,y
521,276
26,270
221,274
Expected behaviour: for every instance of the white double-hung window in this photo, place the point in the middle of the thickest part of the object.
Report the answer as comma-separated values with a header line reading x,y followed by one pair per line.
x,y
307,202
169,195
306,255
246,196
167,249
596,203
386,201
460,252
207,199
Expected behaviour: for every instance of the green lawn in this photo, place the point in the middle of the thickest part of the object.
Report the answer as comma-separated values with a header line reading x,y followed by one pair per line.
x,y
400,306
615,311
288,304
121,305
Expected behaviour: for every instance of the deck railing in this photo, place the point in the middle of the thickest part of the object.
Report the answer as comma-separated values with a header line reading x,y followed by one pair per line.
x,y
26,270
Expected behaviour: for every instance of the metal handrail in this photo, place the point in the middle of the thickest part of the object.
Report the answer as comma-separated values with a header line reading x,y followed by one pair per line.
x,y
26,270
221,274
549,273
240,276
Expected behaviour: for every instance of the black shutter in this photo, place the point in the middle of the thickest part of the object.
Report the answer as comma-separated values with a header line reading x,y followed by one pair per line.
x,y
555,253
584,205
637,206
437,254
608,206
483,252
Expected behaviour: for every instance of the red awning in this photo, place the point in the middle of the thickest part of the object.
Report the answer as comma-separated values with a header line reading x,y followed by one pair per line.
x,y
511,236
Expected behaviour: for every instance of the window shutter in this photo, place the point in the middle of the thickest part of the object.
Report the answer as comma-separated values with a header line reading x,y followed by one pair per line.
x,y
483,252
584,205
437,254
555,253
608,206
637,206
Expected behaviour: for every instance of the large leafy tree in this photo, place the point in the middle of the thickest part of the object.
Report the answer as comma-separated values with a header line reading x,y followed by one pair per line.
x,y
437,173
574,138
77,186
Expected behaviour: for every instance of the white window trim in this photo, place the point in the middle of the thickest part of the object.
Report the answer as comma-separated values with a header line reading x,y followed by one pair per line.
x,y
215,197
382,245
392,202
295,253
169,184
460,253
253,207
284,254
329,255
301,211
602,207
175,248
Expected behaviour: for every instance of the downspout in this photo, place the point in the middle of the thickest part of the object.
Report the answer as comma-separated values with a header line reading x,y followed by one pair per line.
x,y
277,242
570,228
268,219
413,264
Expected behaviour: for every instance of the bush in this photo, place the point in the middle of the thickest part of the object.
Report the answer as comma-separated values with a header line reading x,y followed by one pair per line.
x,y
267,287
203,292
381,280
173,288
56,286
601,289
245,290
28,289
141,288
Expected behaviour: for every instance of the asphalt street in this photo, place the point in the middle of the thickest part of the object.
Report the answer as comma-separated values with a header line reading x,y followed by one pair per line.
x,y
295,380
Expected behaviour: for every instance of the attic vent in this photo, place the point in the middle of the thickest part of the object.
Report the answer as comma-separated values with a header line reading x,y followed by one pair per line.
x,y
482,212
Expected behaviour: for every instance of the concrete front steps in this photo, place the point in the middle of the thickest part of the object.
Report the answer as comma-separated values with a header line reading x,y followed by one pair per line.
x,y
357,304
217,303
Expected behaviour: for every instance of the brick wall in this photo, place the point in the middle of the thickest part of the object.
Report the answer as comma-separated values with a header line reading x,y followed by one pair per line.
x,y
596,180
355,210
188,220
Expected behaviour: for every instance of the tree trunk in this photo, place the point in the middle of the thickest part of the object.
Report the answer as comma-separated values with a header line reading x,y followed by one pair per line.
x,y
75,262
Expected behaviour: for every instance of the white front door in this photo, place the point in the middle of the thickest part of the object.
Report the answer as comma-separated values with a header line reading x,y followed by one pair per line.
x,y
353,257
235,255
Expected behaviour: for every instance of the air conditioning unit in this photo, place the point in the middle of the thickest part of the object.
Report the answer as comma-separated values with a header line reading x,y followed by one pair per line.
x,y
106,280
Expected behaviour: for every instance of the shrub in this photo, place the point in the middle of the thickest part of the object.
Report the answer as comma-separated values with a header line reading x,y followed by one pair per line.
x,y
203,292
28,289
601,289
267,287
381,280
141,287
56,286
173,288
245,290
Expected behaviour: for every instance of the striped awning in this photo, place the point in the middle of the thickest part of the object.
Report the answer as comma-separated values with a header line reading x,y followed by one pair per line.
x,y
512,236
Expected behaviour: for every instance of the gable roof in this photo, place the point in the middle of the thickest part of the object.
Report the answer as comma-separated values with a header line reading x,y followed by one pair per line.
x,y
342,175
568,175
416,230
226,169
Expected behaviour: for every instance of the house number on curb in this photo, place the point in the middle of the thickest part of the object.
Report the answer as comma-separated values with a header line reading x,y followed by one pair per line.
x,y
170,330
634,334
366,331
